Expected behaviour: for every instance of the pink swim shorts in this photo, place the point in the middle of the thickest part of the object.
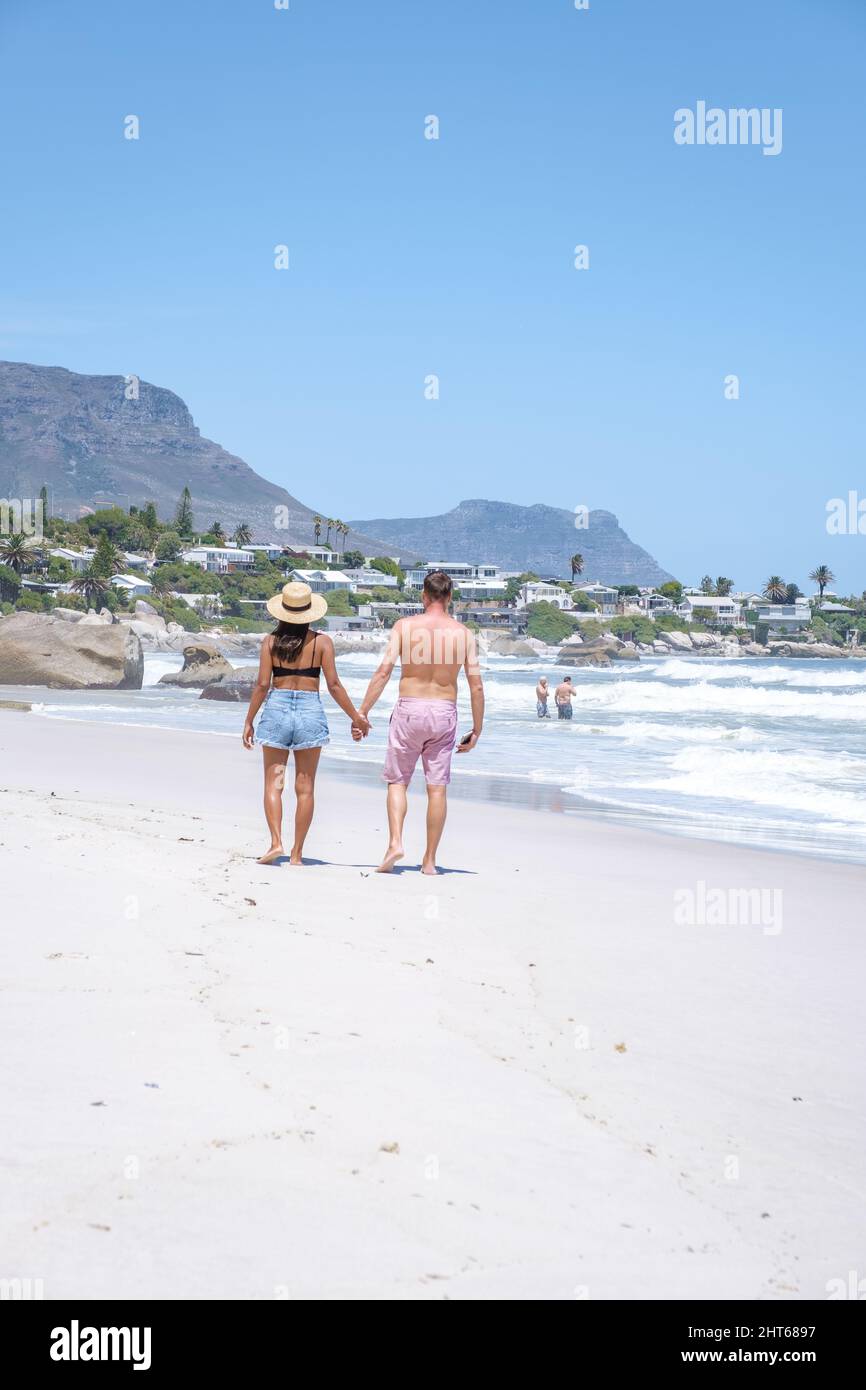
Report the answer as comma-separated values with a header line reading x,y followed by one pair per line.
x,y
425,729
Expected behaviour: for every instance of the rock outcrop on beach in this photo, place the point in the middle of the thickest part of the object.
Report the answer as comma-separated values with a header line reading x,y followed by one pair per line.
x,y
501,645
202,664
600,651
235,688
41,649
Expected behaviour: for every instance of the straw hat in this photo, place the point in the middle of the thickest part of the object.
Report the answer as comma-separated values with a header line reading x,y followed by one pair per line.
x,y
296,603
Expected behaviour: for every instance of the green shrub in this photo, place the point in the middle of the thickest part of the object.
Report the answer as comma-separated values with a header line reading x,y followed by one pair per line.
x,y
548,623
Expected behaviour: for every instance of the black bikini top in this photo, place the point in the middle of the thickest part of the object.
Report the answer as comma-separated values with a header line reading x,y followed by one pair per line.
x,y
311,672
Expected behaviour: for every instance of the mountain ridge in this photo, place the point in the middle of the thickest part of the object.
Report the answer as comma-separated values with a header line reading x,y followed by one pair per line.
x,y
537,538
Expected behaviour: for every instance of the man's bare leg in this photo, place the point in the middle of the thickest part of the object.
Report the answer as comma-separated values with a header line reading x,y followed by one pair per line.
x,y
437,810
397,804
275,760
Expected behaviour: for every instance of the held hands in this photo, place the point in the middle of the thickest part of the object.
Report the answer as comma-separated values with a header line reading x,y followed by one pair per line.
x,y
360,728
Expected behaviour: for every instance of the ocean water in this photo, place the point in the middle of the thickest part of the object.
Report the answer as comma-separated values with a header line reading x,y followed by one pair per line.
x,y
753,751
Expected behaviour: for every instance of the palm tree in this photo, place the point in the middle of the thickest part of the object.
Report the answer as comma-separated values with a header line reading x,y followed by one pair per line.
x,y
707,586
576,566
317,528
217,532
724,586
344,531
160,583
329,524
18,551
243,535
774,589
822,576
92,587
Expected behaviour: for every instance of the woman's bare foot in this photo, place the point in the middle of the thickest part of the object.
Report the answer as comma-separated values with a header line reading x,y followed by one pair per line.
x,y
428,867
272,855
394,852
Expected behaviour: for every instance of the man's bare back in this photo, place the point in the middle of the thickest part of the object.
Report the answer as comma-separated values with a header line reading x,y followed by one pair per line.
x,y
431,650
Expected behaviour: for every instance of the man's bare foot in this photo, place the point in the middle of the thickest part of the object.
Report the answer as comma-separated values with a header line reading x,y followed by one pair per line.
x,y
394,853
274,853
428,867
295,857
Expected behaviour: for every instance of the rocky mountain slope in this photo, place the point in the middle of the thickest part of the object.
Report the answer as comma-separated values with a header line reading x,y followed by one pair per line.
x,y
539,538
89,444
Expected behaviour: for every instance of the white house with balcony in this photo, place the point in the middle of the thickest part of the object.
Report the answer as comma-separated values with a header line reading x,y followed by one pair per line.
x,y
364,578
604,595
322,581
482,590
540,591
78,560
652,603
219,559
785,617
134,585
726,612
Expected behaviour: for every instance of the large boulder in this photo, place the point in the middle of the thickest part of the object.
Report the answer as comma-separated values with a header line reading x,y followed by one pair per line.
x,y
236,688
69,615
677,641
600,651
704,639
822,650
202,664
41,649
501,645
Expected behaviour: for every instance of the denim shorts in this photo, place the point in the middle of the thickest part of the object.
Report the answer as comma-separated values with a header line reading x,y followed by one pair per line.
x,y
292,719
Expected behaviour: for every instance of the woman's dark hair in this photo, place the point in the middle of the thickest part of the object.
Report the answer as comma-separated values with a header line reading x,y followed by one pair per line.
x,y
289,639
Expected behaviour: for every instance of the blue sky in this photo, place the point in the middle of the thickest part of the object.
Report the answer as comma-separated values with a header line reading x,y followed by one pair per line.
x,y
409,256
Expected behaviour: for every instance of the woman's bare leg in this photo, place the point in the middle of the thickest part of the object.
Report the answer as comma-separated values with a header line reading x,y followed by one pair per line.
x,y
275,760
306,763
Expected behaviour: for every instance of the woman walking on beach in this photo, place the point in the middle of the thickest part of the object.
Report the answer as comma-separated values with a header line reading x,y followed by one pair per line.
x,y
293,719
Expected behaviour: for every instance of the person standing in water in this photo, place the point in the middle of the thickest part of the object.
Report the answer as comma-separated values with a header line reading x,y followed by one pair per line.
x,y
563,693
431,649
293,719
542,694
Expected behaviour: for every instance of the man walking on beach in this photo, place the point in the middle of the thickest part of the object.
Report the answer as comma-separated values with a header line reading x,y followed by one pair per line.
x,y
431,648
562,696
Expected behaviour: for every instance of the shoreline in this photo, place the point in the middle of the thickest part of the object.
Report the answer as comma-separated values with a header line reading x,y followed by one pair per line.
x,y
490,788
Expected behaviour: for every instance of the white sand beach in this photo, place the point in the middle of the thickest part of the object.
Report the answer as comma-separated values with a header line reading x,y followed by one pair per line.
x,y
522,1080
